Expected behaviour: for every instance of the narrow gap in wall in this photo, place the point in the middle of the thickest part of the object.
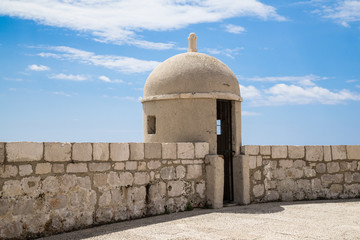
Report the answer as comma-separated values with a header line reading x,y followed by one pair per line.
x,y
151,124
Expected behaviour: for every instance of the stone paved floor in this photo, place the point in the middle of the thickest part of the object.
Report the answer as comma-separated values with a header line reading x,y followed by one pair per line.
x,y
297,220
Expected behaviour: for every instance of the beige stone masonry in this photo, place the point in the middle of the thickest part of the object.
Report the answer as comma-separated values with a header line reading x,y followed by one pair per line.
x,y
152,150
58,168
338,152
24,151
119,151
57,152
327,153
43,168
185,150
25,170
101,151
82,152
2,152
296,152
76,168
265,150
314,153
169,150
353,152
251,149
136,151
7,171
279,151
99,167
201,150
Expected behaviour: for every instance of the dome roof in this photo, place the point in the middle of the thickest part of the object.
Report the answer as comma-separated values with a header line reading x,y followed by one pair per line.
x,y
192,73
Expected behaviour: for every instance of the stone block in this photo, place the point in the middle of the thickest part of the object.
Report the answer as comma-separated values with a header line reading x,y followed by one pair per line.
x,y
4,207
43,168
142,166
252,162
296,152
265,150
348,177
24,151
201,149
258,190
321,168
141,178
131,165
194,171
353,152
101,151
2,152
333,167
175,188
31,185
258,161
345,166
119,151
314,153
185,150
58,202
327,153
24,207
50,184
335,190
272,196
99,167
119,166
58,168
153,150
82,152
153,164
257,175
338,152
11,188
299,164
169,150
279,151
8,171
136,151
126,179
180,172
100,180
200,189
113,179
76,168
356,177
57,152
167,173
251,149
286,163
25,170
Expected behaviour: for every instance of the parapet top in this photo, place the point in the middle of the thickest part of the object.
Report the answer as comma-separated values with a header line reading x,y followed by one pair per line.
x,y
192,42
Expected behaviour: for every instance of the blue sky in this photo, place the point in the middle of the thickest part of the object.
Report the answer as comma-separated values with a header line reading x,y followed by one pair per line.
x,y
75,70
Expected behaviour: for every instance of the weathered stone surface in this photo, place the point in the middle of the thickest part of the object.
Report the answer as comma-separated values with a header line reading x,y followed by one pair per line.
x,y
252,162
43,168
175,188
327,153
167,173
251,149
119,166
286,163
2,152
153,150
258,161
257,175
335,190
113,179
353,165
348,177
279,151
4,206
326,179
82,152
131,165
7,171
353,152
99,167
126,179
296,152
201,149
101,151
153,164
194,171
320,167
200,189
303,184
258,190
265,150
25,170
333,167
338,152
76,168
309,172
58,168
23,151
345,166
11,188
50,185
169,150
180,172
119,151
57,152
314,153
286,185
272,196
299,164
30,185
356,177
100,180
185,150
136,151
58,202
142,166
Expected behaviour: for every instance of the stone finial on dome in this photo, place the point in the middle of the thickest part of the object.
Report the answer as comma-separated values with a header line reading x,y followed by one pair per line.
x,y
192,42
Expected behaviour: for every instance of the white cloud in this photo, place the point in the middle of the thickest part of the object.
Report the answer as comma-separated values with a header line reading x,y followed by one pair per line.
x,y
119,22
351,81
306,80
234,29
38,68
119,63
106,79
247,113
250,92
61,93
70,77
343,12
227,51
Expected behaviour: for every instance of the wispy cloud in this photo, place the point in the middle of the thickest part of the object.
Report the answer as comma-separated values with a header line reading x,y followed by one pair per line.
x,y
351,81
61,94
234,29
307,80
71,77
227,51
106,79
119,63
247,113
119,22
38,68
128,98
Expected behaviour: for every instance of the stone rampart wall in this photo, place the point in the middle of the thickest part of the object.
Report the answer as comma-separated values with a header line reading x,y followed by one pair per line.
x,y
54,187
288,173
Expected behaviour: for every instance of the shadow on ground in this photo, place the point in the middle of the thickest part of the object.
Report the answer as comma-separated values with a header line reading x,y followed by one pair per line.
x,y
260,208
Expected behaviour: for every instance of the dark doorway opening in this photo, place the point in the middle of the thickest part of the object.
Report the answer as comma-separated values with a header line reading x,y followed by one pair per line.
x,y
224,145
